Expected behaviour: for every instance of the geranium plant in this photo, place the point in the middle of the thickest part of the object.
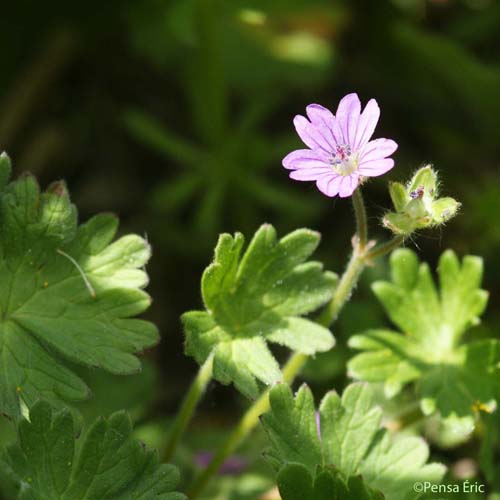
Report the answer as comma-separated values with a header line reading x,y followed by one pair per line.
x,y
71,295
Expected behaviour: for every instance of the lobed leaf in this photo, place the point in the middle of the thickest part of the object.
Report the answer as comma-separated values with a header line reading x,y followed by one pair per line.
x,y
69,293
346,455
108,463
454,378
296,483
299,444
257,297
348,427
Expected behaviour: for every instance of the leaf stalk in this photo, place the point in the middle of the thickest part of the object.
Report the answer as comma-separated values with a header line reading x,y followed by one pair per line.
x,y
185,414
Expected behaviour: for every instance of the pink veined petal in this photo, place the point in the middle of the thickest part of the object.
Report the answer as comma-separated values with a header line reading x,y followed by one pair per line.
x,y
322,117
373,168
305,158
315,137
329,184
310,174
347,117
348,185
319,114
367,123
377,150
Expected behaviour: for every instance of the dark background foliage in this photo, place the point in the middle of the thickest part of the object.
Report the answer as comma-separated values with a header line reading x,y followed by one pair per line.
x,y
175,114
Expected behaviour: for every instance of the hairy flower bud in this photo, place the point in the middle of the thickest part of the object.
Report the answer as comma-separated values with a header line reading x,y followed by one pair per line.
x,y
417,205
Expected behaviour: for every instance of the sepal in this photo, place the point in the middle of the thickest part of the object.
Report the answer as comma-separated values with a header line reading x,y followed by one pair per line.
x,y
417,206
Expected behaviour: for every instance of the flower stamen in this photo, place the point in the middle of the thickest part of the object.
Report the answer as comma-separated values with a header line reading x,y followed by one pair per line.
x,y
342,160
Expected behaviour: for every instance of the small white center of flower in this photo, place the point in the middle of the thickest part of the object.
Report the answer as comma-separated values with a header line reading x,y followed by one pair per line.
x,y
343,161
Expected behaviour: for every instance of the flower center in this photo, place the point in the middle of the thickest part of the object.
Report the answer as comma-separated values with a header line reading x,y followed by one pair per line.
x,y
343,161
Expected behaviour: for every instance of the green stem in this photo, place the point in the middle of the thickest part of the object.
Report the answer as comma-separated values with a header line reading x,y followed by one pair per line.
x,y
355,266
361,221
297,361
344,289
244,427
385,248
290,371
189,404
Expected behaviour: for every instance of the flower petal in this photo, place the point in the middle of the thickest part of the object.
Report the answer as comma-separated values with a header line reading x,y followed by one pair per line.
x,y
377,150
319,115
347,117
348,185
305,158
323,119
373,168
329,184
367,123
310,174
313,136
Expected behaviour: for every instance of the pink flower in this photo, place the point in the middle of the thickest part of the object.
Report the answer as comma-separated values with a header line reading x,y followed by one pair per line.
x,y
340,152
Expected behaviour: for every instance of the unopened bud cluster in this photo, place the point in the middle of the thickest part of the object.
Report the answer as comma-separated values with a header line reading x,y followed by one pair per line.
x,y
417,205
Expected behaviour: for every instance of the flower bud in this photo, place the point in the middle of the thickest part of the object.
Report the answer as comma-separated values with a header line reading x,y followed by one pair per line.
x,y
417,205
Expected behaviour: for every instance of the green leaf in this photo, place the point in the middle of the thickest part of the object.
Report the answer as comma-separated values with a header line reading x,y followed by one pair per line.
x,y
488,458
68,293
394,466
256,297
108,463
296,483
300,442
456,379
348,427
347,455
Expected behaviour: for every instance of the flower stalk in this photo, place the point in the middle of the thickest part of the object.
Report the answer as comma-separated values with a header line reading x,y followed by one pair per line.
x,y
360,258
361,222
344,289
385,248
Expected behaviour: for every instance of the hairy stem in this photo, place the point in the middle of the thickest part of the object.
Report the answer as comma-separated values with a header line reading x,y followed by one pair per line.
x,y
188,407
360,258
385,248
344,289
244,427
290,371
361,221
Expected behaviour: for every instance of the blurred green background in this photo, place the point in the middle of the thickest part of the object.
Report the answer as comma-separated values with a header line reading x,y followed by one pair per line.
x,y
175,114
